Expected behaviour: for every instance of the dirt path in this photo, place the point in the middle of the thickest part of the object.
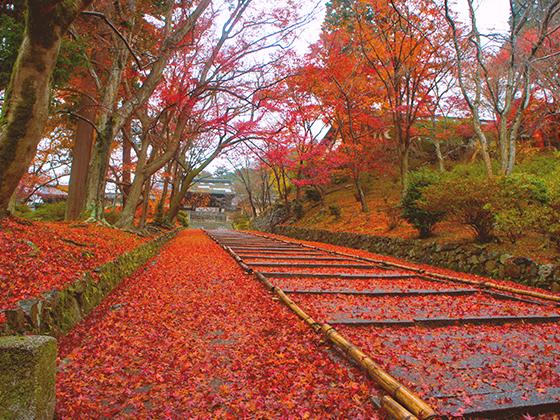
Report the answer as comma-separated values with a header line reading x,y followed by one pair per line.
x,y
192,335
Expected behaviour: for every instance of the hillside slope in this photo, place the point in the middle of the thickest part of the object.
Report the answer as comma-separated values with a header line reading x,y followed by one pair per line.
x,y
384,219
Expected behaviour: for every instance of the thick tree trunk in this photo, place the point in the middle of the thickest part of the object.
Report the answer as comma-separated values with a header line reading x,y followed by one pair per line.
x,y
161,203
27,97
26,107
179,193
13,203
81,154
175,204
97,172
145,203
135,192
108,124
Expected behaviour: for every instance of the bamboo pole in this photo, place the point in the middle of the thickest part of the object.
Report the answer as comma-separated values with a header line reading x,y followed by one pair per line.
x,y
395,389
395,410
398,391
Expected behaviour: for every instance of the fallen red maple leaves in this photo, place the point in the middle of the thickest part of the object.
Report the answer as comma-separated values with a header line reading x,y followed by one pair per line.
x,y
428,268
192,335
38,257
455,368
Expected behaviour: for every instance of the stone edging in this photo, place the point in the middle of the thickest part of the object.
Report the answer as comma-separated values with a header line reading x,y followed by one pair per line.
x,y
58,311
468,258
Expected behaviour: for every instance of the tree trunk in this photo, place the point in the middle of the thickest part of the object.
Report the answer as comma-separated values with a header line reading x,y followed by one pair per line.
x,y
161,204
81,154
484,147
126,217
13,203
360,195
512,155
145,203
27,101
439,155
126,161
97,172
503,143
404,155
175,204
108,124
179,193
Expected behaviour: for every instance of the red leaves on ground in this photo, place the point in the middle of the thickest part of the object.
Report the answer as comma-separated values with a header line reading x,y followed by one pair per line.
x,y
428,268
455,368
336,307
192,335
38,257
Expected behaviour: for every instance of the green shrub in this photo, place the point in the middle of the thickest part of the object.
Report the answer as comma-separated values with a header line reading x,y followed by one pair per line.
x,y
464,200
183,218
49,212
547,222
297,209
241,221
422,219
520,205
334,210
541,166
23,210
312,194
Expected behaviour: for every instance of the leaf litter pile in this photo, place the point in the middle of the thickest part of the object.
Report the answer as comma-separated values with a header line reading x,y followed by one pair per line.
x,y
192,335
37,257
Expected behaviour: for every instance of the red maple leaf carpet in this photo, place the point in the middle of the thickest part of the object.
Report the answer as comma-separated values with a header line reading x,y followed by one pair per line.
x,y
192,335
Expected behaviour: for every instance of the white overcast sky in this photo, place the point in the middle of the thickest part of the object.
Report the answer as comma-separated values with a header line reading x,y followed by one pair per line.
x,y
492,16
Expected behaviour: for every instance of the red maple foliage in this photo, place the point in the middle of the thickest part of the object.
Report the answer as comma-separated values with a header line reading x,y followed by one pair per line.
x,y
37,257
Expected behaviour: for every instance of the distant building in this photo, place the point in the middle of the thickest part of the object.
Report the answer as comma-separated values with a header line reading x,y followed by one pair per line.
x,y
49,194
211,194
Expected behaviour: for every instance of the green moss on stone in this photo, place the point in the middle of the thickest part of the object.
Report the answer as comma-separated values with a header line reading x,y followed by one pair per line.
x,y
27,377
62,310
18,126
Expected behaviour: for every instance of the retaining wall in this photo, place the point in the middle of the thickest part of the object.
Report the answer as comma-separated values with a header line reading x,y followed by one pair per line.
x,y
58,311
468,258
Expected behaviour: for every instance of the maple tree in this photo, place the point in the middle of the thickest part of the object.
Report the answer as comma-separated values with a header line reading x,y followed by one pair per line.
x,y
405,45
348,97
504,78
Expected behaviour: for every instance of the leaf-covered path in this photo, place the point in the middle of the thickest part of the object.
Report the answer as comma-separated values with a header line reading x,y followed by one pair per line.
x,y
192,335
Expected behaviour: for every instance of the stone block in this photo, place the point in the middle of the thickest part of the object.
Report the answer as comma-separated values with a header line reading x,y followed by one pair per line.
x,y
27,377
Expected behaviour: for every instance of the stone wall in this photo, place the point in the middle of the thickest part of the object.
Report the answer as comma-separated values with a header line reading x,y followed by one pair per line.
x,y
468,258
57,311
27,377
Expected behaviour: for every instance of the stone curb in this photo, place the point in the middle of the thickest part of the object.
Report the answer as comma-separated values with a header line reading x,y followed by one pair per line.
x,y
58,311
